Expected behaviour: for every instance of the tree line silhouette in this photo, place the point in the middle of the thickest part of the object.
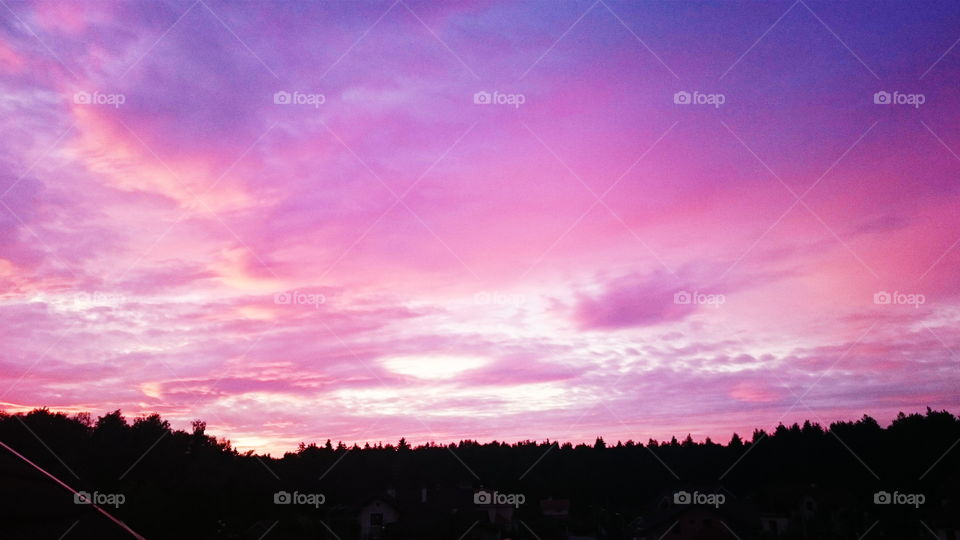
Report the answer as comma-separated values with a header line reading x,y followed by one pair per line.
x,y
188,484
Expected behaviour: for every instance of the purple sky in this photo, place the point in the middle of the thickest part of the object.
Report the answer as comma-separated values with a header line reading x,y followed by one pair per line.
x,y
487,220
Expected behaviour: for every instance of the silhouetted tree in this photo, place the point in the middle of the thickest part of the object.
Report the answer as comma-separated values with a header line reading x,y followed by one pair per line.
x,y
217,493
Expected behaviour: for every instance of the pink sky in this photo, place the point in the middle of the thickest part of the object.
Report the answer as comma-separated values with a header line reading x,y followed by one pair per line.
x,y
485,271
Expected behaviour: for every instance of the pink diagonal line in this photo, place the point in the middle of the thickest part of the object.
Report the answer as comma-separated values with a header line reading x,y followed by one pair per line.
x,y
71,490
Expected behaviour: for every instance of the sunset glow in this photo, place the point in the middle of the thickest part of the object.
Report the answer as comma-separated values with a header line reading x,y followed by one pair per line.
x,y
485,219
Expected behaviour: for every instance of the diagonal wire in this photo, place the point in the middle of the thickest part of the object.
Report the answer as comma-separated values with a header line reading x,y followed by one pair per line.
x,y
50,450
71,490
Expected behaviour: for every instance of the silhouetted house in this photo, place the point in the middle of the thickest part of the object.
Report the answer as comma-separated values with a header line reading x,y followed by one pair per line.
x,y
375,516
431,512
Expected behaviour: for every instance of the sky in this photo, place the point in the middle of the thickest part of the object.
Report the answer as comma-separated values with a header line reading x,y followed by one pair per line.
x,y
479,220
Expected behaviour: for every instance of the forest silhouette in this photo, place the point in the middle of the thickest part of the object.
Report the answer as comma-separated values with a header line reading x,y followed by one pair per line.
x,y
797,481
